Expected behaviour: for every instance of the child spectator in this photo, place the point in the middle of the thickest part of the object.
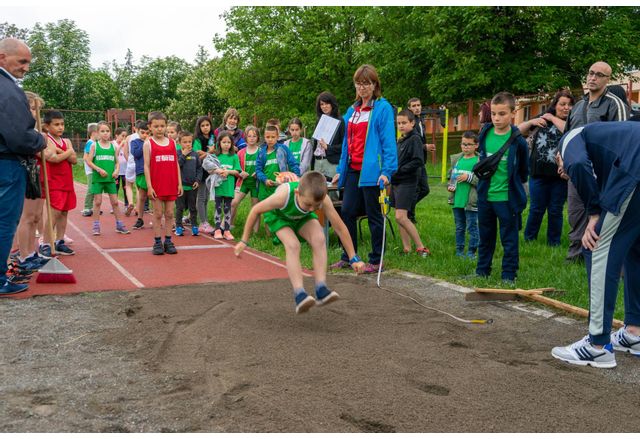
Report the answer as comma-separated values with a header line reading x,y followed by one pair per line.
x,y
191,172
289,213
137,150
60,178
273,157
102,159
130,174
203,144
274,122
300,147
121,181
173,131
92,135
229,170
502,198
248,181
404,181
164,182
32,210
463,197
230,123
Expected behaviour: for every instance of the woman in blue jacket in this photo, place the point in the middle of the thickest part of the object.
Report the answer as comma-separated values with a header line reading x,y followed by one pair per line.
x,y
369,158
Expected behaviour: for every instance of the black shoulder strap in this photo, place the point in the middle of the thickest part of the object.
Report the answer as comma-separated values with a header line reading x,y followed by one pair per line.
x,y
508,143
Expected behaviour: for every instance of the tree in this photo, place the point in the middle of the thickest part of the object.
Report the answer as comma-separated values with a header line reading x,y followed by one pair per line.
x,y
198,94
8,30
202,56
123,74
156,82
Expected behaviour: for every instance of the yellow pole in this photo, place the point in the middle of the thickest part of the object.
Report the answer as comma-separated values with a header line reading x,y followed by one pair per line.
x,y
445,139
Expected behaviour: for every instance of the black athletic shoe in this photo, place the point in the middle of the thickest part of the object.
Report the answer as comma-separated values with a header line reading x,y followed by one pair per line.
x,y
170,248
158,249
63,249
139,224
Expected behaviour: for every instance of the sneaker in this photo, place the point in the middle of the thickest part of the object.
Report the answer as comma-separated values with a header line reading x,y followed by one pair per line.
x,y
372,268
205,227
170,248
122,229
179,231
10,288
14,254
87,212
67,239
423,252
228,236
96,229
340,265
209,228
303,302
325,296
217,234
624,341
139,224
194,230
128,210
34,262
158,248
44,250
17,279
583,353
63,249
471,255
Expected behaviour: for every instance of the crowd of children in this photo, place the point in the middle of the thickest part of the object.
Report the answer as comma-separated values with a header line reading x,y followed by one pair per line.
x,y
177,172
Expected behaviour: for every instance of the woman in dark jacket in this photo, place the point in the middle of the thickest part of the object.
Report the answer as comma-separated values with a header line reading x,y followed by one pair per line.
x,y
547,190
327,156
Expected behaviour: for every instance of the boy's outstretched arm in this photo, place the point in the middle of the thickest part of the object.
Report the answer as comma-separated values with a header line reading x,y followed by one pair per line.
x,y
341,230
275,201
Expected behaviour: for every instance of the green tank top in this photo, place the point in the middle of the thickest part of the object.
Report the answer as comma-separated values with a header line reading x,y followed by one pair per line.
x,y
250,163
104,158
291,210
296,149
271,165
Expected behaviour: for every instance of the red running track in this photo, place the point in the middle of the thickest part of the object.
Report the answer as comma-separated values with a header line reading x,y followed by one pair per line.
x,y
115,262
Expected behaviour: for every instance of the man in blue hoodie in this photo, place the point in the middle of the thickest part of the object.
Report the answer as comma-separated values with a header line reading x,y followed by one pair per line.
x,y
17,139
603,162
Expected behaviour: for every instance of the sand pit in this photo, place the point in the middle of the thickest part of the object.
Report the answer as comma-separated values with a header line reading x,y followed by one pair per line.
x,y
235,358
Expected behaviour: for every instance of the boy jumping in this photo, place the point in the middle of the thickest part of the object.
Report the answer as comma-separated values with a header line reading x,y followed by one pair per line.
x,y
289,213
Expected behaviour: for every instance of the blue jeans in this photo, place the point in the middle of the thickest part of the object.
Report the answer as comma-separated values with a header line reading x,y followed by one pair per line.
x,y
489,214
359,201
548,194
466,219
13,182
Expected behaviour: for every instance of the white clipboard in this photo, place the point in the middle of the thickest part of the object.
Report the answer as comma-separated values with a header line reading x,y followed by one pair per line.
x,y
326,129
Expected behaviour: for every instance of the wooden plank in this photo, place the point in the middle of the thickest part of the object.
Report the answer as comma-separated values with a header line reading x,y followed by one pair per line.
x,y
476,297
566,307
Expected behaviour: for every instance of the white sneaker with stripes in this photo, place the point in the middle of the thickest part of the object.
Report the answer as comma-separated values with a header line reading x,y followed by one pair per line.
x,y
583,353
623,340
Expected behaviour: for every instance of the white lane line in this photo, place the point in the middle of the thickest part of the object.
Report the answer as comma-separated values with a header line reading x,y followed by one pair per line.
x,y
108,257
304,273
179,247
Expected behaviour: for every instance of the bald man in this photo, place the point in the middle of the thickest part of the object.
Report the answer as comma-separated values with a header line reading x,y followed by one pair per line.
x,y
598,105
18,138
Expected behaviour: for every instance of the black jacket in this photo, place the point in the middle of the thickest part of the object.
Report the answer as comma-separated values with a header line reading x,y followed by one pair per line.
x,y
190,168
410,159
334,150
17,133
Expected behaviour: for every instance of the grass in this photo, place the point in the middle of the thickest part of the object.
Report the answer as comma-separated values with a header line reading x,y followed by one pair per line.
x,y
541,266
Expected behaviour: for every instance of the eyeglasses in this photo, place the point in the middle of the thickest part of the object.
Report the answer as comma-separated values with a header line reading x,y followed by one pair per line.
x,y
468,144
598,75
362,84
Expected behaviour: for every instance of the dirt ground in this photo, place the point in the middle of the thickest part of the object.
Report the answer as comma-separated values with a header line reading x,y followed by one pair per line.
x,y
235,358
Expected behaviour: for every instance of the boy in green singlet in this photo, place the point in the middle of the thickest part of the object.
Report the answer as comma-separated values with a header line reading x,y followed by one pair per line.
x,y
289,213
103,161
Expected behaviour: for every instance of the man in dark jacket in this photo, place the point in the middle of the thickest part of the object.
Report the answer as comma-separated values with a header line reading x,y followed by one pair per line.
x,y
17,139
422,190
603,162
598,105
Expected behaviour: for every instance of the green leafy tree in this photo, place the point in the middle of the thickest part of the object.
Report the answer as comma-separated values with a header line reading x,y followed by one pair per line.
x,y
198,94
123,74
60,54
9,30
156,81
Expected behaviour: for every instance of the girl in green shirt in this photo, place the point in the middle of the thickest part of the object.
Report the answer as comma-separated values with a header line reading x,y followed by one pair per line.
x,y
229,170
